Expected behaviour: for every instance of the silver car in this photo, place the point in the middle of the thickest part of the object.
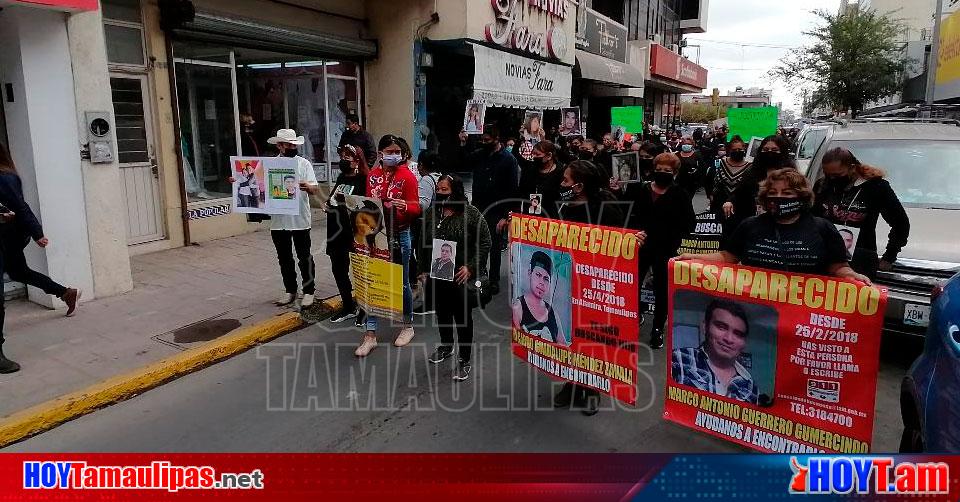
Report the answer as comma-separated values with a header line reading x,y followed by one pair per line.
x,y
922,162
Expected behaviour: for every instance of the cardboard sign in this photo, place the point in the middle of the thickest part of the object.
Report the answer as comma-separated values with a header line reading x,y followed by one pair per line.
x,y
630,118
750,122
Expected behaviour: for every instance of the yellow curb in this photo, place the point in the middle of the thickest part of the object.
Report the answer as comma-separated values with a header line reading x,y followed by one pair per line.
x,y
45,416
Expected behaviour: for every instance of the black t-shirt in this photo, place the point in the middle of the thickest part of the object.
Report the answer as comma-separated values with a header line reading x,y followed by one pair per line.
x,y
339,234
809,246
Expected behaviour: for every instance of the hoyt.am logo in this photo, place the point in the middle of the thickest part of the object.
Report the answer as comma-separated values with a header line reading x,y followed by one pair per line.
x,y
868,475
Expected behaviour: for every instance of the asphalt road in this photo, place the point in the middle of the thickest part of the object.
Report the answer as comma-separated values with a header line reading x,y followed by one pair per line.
x,y
306,392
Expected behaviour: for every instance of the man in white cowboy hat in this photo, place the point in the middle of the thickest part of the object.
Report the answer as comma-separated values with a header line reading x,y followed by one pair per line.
x,y
295,229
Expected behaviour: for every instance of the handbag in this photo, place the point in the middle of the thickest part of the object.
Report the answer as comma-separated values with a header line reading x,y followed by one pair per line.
x,y
479,292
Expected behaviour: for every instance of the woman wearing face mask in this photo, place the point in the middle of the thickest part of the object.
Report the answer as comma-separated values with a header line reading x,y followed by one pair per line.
x,y
584,199
542,176
453,219
800,242
396,186
352,180
732,190
664,211
855,195
692,167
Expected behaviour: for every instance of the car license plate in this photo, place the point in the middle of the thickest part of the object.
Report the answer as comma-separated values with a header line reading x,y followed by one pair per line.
x,y
916,315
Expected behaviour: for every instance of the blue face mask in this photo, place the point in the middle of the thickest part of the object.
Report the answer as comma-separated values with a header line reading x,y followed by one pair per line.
x,y
509,148
686,148
392,160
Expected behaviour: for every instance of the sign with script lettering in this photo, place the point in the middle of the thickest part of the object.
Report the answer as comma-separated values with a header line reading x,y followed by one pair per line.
x,y
507,80
600,35
514,27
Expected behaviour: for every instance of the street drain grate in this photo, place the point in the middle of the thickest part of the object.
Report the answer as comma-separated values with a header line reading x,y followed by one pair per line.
x,y
204,331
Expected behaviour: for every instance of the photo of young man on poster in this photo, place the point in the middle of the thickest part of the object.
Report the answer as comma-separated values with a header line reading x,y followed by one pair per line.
x,y
570,125
533,311
717,364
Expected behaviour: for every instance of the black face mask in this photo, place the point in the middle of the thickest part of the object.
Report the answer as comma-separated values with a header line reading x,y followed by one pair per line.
x,y
769,160
539,162
585,155
785,207
290,152
567,193
346,166
663,179
488,147
646,165
737,155
838,181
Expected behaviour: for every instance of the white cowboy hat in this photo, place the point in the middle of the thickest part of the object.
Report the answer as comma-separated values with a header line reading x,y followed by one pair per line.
x,y
286,136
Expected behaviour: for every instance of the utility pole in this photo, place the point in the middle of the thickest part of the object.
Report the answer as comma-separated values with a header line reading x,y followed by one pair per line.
x,y
934,55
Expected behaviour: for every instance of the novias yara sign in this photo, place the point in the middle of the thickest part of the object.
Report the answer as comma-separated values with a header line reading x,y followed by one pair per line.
x,y
512,30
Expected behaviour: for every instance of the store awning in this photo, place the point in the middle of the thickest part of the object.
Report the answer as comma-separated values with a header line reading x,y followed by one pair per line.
x,y
508,80
600,69
241,32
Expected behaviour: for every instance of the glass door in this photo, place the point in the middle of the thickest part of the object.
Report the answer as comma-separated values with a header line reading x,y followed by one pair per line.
x,y
207,101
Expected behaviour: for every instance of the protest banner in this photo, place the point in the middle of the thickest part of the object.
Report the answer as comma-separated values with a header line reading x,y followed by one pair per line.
x,y
753,122
773,361
627,118
706,235
377,281
265,185
574,302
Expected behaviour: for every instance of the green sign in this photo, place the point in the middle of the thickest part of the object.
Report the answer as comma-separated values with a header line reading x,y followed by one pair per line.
x,y
750,122
630,118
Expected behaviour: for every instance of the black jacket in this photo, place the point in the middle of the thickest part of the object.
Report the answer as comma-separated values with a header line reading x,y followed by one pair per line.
x,y
339,233
666,220
362,140
860,206
606,211
495,178
548,185
25,225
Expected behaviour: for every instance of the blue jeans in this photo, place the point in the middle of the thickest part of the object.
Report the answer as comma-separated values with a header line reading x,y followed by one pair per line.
x,y
403,237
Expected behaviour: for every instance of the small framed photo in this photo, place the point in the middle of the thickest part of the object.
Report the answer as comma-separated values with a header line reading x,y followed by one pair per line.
x,y
626,167
570,124
443,260
536,204
473,117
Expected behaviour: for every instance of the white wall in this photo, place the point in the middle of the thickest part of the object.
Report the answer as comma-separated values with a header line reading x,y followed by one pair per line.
x,y
42,128
917,15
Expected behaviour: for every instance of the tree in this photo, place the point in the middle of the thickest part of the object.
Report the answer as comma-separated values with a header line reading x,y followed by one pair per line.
x,y
855,58
697,113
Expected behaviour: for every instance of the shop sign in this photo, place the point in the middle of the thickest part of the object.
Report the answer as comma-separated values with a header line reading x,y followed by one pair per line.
x,y
600,35
510,29
667,64
209,211
504,79
63,4
948,69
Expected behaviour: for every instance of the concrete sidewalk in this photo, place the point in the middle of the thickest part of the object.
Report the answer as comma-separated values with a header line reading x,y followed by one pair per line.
x,y
182,298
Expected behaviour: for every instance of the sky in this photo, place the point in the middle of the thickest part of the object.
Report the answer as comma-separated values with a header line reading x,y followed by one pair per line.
x,y
764,22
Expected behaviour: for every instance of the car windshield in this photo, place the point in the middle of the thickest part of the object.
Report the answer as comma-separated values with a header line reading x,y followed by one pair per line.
x,y
922,173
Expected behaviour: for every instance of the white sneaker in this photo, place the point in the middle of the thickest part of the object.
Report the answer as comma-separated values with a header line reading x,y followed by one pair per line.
x,y
286,299
307,301
369,343
406,334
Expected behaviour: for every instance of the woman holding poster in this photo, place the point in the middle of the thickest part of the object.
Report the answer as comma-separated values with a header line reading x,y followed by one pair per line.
x,y
585,199
352,180
800,242
396,186
454,224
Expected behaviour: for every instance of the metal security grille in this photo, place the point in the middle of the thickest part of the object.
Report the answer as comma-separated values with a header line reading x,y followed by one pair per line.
x,y
131,120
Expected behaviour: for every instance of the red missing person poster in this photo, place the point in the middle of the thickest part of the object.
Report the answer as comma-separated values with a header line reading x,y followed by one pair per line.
x,y
574,300
774,361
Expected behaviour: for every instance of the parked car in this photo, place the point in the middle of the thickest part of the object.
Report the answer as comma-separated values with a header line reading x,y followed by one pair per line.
x,y
930,393
922,162
808,142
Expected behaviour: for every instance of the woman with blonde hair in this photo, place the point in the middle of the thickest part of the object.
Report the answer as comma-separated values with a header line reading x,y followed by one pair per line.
x,y
853,196
786,237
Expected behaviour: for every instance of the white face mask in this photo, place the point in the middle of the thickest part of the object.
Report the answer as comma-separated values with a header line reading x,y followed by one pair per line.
x,y
392,160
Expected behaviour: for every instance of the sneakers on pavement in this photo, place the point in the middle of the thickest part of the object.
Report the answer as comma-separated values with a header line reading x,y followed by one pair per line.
x,y
369,343
406,334
440,355
589,401
361,320
6,365
463,370
71,297
285,299
656,339
343,315
563,398
307,301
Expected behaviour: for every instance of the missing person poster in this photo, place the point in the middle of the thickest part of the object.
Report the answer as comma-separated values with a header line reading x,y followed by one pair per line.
x,y
265,185
773,361
377,281
573,294
706,235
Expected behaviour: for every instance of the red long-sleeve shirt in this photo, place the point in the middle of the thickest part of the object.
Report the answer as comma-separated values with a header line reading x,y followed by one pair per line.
x,y
400,184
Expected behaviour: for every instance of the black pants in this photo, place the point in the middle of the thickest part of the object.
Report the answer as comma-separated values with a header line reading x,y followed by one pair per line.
x,y
496,252
340,263
658,266
16,267
286,241
453,310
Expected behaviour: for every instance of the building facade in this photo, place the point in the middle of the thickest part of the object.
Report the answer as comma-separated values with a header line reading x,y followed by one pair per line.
x,y
740,98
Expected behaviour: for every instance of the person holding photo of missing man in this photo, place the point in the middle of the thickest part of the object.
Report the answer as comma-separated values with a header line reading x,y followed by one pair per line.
x,y
442,267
